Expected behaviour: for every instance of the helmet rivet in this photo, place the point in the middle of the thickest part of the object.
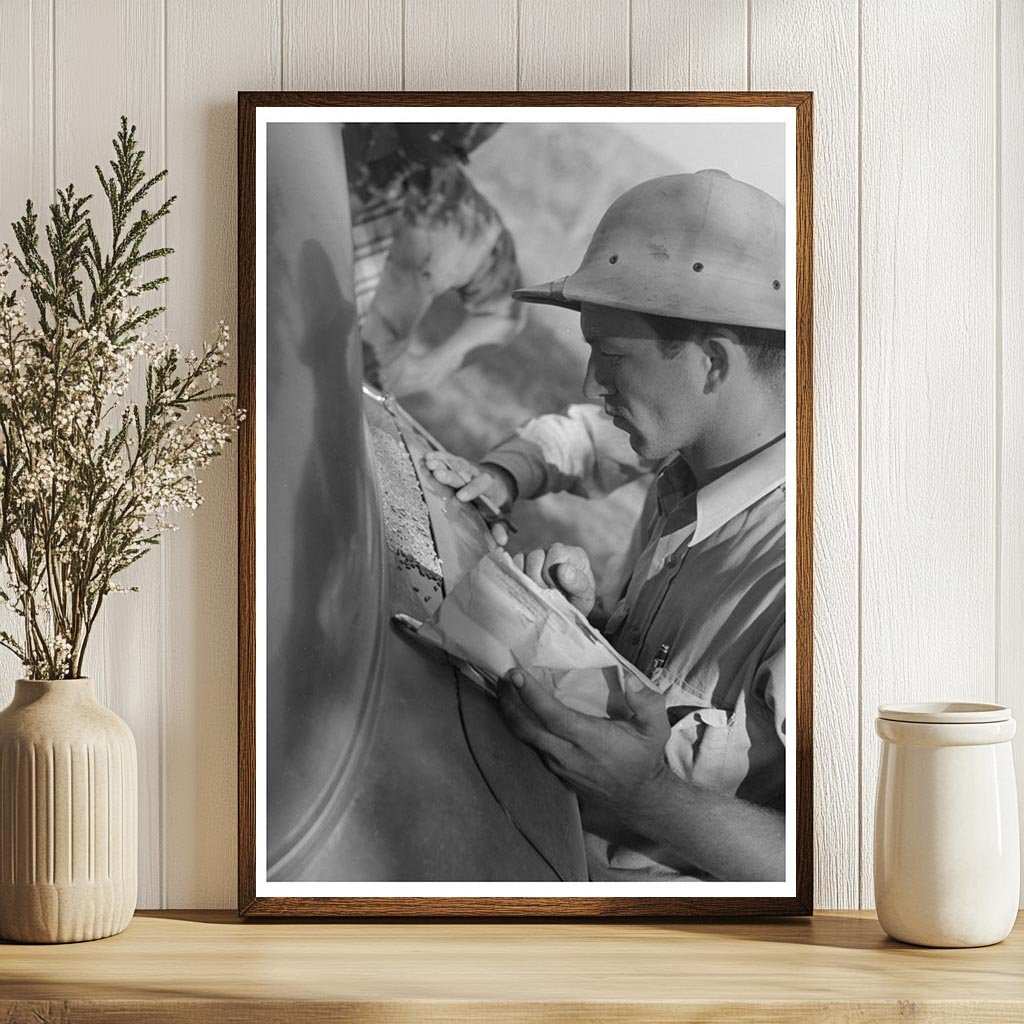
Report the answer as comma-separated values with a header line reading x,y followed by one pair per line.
x,y
698,267
613,258
776,285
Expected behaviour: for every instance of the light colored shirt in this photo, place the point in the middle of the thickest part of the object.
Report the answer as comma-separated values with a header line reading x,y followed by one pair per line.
x,y
708,593
580,451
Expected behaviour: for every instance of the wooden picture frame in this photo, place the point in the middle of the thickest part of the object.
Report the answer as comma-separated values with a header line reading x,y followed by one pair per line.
x,y
256,895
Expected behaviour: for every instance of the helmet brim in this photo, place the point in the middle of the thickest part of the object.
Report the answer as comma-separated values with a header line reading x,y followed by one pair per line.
x,y
550,293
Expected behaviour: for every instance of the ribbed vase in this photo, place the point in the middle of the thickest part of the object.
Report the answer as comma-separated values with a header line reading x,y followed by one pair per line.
x,y
68,815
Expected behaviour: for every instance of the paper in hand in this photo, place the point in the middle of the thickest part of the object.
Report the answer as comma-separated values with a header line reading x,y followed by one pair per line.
x,y
498,619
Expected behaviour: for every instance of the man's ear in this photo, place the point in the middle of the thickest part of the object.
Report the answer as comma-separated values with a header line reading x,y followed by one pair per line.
x,y
719,346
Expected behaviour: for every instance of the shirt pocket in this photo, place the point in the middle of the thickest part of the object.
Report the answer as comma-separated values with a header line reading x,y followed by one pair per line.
x,y
709,746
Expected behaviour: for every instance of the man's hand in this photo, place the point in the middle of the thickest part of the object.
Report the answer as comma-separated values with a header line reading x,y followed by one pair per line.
x,y
472,481
620,767
619,763
562,567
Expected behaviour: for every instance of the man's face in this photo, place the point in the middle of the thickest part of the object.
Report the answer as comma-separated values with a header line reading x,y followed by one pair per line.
x,y
658,401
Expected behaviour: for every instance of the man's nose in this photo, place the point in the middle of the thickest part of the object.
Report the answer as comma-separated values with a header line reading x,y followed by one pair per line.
x,y
595,383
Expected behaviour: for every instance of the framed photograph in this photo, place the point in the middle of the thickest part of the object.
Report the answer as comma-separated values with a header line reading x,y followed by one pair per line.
x,y
525,504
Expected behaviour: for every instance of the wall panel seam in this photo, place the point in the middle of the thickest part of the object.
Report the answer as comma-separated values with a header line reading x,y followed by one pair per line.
x,y
162,705
53,98
33,170
860,457
519,37
997,232
629,44
750,43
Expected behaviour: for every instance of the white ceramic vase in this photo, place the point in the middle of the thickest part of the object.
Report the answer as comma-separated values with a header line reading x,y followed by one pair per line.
x,y
68,815
947,847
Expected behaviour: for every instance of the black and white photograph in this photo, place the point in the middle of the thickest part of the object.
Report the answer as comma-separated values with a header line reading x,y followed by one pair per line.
x,y
524,470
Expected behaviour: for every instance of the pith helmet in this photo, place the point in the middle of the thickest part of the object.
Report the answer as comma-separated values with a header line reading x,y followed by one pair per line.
x,y
697,246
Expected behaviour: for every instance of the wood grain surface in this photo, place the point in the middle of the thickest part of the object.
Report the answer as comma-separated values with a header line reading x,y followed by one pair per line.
x,y
207,966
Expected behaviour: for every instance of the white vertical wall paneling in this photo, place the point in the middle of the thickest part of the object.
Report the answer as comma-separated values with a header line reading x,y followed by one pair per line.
x,y
343,44
814,46
574,44
468,45
122,657
26,68
1011,258
213,51
689,45
26,171
928,408
938,616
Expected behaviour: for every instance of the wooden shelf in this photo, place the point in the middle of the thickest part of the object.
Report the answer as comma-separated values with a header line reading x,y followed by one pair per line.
x,y
208,966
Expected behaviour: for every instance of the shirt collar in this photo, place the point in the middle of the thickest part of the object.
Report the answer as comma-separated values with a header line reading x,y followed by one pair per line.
x,y
729,494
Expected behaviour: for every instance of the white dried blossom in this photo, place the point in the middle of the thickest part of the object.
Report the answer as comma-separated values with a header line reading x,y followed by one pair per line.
x,y
102,428
79,462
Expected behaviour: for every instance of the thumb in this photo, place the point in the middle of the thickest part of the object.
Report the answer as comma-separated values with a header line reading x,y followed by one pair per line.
x,y
571,579
647,705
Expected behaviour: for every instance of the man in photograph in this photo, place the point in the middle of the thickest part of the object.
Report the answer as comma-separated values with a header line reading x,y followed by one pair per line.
x,y
682,302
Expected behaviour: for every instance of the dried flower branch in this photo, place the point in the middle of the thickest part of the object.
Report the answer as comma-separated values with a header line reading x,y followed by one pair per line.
x,y
88,479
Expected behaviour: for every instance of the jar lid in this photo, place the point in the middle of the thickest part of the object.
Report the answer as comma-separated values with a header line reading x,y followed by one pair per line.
x,y
945,713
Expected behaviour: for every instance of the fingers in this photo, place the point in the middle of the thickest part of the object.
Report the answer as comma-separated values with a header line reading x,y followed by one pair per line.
x,y
647,705
478,485
564,568
533,566
469,480
542,566
461,474
571,580
553,557
500,534
435,460
569,568
548,711
526,725
443,473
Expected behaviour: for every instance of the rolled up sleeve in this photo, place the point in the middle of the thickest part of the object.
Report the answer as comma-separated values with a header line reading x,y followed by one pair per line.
x,y
580,451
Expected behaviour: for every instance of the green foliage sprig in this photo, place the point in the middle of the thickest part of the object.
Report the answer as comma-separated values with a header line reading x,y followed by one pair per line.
x,y
89,478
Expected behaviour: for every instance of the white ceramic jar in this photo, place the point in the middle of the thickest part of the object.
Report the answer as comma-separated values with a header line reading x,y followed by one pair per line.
x,y
947,847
